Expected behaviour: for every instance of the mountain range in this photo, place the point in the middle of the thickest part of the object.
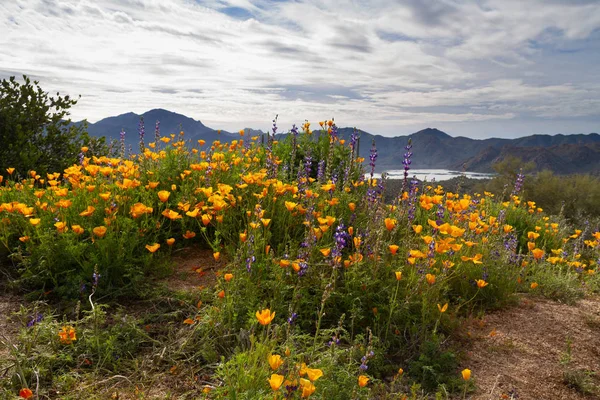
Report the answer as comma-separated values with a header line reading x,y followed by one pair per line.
x,y
431,148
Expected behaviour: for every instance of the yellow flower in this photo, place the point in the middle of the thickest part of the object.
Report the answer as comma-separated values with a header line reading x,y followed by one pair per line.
x,y
163,195
206,219
398,275
77,229
61,227
189,235
537,253
390,223
172,215
325,252
265,316
481,283
67,335
290,205
430,279
152,248
363,380
99,231
443,308
534,285
393,248
228,277
276,381
307,387
217,255
170,241
89,211
275,361
314,373
34,221
24,239
466,374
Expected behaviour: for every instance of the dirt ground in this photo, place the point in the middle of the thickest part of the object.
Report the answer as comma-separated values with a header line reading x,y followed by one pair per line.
x,y
524,351
193,268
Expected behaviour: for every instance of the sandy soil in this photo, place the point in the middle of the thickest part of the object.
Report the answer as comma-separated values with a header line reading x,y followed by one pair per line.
x,y
522,351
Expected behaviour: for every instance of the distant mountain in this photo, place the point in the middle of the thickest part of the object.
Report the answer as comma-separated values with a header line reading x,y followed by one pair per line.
x,y
432,148
170,122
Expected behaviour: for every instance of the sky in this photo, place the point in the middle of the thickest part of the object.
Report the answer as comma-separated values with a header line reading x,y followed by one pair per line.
x,y
480,68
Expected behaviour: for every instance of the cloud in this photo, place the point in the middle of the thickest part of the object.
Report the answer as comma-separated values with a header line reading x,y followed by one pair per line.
x,y
390,66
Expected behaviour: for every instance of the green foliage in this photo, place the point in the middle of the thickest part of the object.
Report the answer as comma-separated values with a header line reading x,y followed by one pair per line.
x,y
41,359
559,284
34,131
357,287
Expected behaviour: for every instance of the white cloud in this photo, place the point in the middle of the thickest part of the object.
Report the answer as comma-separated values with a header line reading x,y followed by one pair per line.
x,y
381,64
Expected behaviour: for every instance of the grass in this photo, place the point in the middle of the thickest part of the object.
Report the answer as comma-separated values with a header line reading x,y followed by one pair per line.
x,y
358,287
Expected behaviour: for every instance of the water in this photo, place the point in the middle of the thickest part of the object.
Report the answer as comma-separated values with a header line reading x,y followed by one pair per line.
x,y
436,175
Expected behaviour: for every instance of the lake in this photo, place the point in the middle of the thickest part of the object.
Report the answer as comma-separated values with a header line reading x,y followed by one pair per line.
x,y
431,175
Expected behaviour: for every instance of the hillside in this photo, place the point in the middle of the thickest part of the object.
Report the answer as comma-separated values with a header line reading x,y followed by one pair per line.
x,y
170,122
432,148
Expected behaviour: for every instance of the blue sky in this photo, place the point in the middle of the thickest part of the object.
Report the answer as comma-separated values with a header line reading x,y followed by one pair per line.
x,y
481,68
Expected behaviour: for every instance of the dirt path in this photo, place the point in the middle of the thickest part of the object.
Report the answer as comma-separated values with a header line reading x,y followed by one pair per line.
x,y
9,328
524,351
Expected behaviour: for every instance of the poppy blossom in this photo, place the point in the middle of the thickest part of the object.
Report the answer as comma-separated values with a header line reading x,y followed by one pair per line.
x,y
466,374
363,380
67,335
276,381
481,283
265,316
152,248
275,361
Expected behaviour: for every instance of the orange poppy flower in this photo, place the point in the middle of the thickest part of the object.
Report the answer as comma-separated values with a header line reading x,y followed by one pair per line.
x,y
265,316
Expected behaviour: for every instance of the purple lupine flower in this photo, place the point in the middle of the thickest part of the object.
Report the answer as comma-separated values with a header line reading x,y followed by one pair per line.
x,y
334,340
341,239
412,200
141,132
274,128
501,216
334,131
440,214
35,319
373,158
292,318
122,141
321,171
431,253
95,278
353,140
518,184
157,132
406,162
294,132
